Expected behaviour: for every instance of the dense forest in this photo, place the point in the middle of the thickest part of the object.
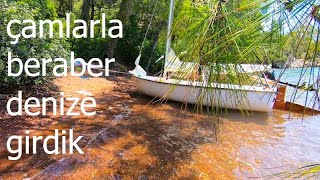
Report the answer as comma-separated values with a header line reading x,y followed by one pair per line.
x,y
220,32
135,16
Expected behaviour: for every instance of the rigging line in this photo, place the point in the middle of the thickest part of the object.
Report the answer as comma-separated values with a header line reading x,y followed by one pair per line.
x,y
149,26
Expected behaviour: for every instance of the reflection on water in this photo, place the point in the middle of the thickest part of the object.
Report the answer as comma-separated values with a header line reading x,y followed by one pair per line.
x,y
129,139
266,144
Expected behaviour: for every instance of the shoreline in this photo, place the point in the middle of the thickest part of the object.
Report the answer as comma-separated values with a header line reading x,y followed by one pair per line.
x,y
131,137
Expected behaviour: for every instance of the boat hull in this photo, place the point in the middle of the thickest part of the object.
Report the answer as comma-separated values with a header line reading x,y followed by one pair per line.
x,y
222,97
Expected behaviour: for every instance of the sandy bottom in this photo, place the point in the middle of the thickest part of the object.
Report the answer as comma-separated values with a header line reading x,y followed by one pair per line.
x,y
131,138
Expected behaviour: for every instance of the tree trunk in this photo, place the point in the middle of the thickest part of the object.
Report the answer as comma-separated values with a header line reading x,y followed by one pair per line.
x,y
60,7
92,9
123,15
85,10
70,6
155,43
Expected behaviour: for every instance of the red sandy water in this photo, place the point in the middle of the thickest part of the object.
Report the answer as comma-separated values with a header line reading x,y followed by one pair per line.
x,y
129,138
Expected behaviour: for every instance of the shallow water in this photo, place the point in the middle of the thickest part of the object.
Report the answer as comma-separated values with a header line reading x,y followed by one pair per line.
x,y
269,144
133,138
246,147
298,76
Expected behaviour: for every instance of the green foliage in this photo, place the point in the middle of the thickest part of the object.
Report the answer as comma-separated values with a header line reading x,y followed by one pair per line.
x,y
25,48
306,172
89,48
221,32
128,48
47,8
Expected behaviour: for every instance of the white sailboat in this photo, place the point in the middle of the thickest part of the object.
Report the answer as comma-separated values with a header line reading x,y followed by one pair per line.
x,y
252,98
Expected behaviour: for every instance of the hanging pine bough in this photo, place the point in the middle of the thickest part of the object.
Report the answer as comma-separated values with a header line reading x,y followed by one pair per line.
x,y
226,34
215,38
205,51
80,28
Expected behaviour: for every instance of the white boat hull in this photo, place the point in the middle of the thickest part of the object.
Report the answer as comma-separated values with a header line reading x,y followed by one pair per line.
x,y
220,95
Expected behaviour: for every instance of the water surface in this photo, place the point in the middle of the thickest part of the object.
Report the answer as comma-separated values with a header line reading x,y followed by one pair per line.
x,y
133,138
298,76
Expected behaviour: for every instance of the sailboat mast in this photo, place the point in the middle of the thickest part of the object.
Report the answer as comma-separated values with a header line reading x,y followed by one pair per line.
x,y
170,22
